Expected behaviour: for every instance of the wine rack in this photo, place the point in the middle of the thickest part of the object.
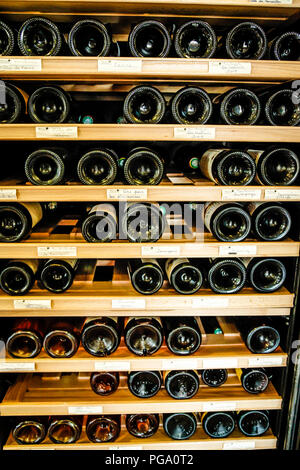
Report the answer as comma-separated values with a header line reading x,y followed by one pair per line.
x,y
64,388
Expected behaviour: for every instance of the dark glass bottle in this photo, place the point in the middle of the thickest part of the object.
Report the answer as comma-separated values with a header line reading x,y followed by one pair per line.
x,y
227,276
104,383
144,384
186,158
227,222
214,377
286,46
101,335
240,106
195,39
90,38
218,424
143,166
149,38
182,334
246,40
28,431
47,166
17,276
181,384
281,109
39,37
13,108
143,336
57,275
18,219
98,166
183,275
228,167
62,338
259,334
100,225
143,222
25,338
270,221
65,429
253,380
266,274
180,426
7,39
146,275
191,105
103,428
144,105
142,425
48,105
253,423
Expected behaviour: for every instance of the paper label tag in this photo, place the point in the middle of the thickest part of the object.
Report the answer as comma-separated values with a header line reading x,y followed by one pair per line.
x,y
229,68
127,194
275,2
125,448
195,132
219,406
242,250
57,131
127,304
239,445
285,194
13,366
64,251
21,65
8,194
168,364
264,360
112,365
180,180
241,194
85,410
212,301
32,304
119,65
160,250
222,363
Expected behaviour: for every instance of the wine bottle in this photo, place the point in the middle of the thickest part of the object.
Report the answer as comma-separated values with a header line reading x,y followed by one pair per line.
x,y
101,335
227,222
214,377
146,275
270,221
18,276
253,423
195,39
191,105
281,109
180,426
259,334
103,428
143,336
144,384
12,104
265,274
149,38
246,40
47,166
39,36
183,275
142,425
218,424
253,380
7,39
240,106
186,158
182,334
104,383
49,104
62,339
228,167
90,38
143,166
285,46
181,384
276,166
142,222
28,431
144,105
57,275
100,225
65,429
98,166
227,276
25,338
18,219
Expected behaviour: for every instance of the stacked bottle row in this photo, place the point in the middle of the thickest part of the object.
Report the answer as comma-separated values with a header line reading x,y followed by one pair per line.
x,y
39,36
276,106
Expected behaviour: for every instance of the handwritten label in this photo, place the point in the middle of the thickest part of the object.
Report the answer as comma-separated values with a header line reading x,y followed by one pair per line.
x,y
25,65
112,365
57,131
229,68
180,180
32,304
13,366
219,406
85,410
239,445
127,194
242,250
177,363
285,194
195,132
127,304
118,65
241,194
160,251
212,301
125,448
265,361
275,2
221,363
64,251
8,194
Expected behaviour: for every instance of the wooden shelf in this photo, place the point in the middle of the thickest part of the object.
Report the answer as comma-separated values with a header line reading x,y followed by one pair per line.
x,y
33,395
